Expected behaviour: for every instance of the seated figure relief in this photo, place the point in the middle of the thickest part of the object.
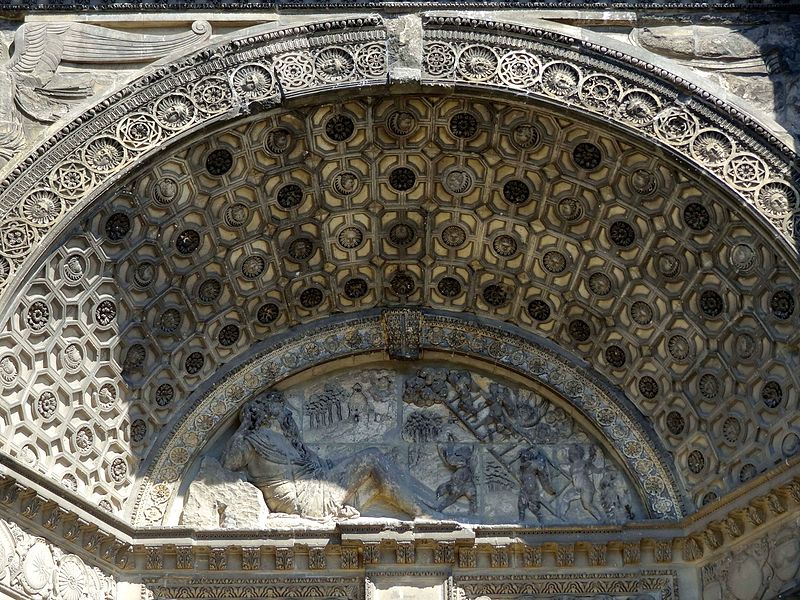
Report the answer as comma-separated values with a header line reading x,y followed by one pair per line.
x,y
428,442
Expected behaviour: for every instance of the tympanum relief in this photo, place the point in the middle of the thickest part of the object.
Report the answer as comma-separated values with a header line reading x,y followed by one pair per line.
x,y
431,441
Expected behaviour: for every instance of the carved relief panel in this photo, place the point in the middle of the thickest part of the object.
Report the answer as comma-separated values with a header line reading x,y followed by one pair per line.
x,y
422,440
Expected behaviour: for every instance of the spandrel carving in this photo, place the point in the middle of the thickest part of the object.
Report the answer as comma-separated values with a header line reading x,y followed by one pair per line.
x,y
755,63
35,90
424,441
767,567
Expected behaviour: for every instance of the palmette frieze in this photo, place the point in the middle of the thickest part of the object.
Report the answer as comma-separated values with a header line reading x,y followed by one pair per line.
x,y
655,585
343,588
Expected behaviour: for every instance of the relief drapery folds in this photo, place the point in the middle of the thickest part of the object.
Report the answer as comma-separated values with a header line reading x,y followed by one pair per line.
x,y
32,87
430,441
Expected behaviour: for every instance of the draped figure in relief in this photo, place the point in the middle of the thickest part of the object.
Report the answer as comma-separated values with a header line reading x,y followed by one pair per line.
x,y
296,480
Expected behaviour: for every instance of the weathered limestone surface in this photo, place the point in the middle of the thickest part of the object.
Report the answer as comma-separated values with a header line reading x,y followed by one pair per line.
x,y
767,567
432,441
61,67
219,498
424,481
757,63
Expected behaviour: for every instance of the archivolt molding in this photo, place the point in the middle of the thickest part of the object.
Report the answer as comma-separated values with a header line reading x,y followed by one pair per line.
x,y
91,152
635,445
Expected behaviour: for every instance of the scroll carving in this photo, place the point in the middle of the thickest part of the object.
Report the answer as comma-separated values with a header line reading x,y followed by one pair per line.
x,y
34,85
758,570
37,569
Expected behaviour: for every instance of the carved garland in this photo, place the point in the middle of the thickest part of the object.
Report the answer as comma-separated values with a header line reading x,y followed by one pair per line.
x,y
79,162
635,447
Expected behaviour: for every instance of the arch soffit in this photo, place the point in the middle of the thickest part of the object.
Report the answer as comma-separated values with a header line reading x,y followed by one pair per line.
x,y
393,332
83,159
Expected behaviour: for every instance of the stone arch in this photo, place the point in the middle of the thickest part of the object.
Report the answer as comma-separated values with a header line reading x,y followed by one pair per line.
x,y
82,159
393,333
135,125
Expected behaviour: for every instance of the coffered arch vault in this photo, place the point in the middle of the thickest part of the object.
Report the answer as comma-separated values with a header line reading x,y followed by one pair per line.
x,y
162,234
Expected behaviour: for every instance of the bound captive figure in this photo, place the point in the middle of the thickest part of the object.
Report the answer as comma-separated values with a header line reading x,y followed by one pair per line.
x,y
295,480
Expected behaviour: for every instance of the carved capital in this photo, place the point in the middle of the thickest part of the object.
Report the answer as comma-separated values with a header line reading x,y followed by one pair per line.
x,y
713,537
72,529
9,494
775,503
31,506
251,559
532,556
565,555
794,490
406,553
372,553
92,538
692,549
217,559
467,557
184,557
316,559
444,553
598,555
284,559
154,558
52,518
663,551
123,556
631,553
732,526
755,514
349,557
499,557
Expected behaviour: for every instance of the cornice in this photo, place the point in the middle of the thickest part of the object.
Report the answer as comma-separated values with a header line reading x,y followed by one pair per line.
x,y
34,504
155,6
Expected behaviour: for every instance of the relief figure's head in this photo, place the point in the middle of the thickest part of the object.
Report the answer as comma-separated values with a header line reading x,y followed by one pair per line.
x,y
263,411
